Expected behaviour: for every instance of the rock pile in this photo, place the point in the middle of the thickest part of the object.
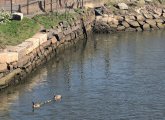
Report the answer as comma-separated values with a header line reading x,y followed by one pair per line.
x,y
143,18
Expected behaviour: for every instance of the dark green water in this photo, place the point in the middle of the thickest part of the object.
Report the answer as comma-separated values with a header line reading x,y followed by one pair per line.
x,y
109,77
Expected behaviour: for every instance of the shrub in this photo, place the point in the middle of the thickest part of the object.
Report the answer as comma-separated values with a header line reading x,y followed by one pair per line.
x,y
4,17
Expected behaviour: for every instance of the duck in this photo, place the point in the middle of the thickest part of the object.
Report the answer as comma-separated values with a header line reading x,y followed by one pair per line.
x,y
36,105
57,97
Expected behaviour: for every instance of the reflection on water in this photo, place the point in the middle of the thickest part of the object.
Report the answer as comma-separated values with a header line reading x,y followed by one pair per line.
x,y
109,77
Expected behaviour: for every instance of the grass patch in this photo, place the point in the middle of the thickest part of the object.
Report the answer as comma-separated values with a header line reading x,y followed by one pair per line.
x,y
15,32
52,19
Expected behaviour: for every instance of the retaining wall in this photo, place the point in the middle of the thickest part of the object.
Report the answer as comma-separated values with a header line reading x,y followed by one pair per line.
x,y
16,62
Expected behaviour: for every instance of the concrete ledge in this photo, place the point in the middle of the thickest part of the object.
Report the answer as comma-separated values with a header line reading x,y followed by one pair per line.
x,y
41,36
36,43
8,57
21,50
27,45
3,67
5,80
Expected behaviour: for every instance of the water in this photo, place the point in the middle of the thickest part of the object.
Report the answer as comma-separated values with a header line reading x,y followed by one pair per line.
x,y
109,77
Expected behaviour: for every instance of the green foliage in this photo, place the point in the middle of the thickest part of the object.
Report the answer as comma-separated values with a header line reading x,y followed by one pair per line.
x,y
78,10
52,19
81,11
15,32
4,17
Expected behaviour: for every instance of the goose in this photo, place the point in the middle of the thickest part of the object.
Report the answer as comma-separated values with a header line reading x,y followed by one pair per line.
x,y
57,97
35,105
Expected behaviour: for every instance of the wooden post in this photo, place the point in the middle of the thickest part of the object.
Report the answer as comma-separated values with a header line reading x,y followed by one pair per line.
x,y
82,3
44,5
56,7
51,9
77,3
11,6
27,7
19,8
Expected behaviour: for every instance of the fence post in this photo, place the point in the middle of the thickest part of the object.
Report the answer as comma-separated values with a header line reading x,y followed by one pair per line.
x,y
51,9
56,7
11,6
19,8
82,3
44,5
27,7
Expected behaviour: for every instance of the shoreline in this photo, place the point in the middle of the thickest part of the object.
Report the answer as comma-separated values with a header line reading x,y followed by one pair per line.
x,y
17,62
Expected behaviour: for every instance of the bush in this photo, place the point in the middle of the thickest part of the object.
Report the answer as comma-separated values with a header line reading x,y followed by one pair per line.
x,y
4,17
52,19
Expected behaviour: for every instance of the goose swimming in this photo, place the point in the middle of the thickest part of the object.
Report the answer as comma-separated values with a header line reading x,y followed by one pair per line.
x,y
57,97
36,105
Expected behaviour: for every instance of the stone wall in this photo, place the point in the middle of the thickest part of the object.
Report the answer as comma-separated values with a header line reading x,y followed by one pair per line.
x,y
16,62
139,19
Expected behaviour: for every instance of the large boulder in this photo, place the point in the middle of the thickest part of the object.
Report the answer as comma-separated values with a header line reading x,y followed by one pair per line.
x,y
104,19
41,36
134,24
112,20
148,1
163,10
158,11
141,23
19,49
101,27
119,18
125,24
163,15
160,25
122,12
5,80
142,2
151,22
128,20
122,6
148,16
98,18
105,15
113,25
130,17
140,18
120,28
156,16
159,20
146,26
139,29
8,57
133,1
3,67
130,29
